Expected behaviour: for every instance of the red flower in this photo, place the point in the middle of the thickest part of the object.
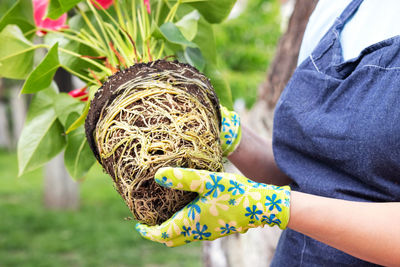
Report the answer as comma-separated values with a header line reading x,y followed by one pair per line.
x,y
147,4
104,3
79,93
39,12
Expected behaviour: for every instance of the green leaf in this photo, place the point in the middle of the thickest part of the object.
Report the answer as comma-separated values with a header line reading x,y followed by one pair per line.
x,y
74,63
92,91
42,137
78,156
205,40
16,53
58,7
64,105
174,35
220,85
79,121
194,57
43,100
214,11
41,77
188,25
20,14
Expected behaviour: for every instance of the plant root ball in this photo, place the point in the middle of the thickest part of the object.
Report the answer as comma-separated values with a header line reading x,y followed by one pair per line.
x,y
153,115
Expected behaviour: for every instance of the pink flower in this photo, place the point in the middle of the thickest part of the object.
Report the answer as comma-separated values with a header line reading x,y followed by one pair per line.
x,y
80,94
104,3
147,4
39,12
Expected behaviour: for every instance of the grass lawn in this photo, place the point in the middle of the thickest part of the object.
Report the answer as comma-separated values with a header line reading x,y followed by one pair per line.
x,y
95,235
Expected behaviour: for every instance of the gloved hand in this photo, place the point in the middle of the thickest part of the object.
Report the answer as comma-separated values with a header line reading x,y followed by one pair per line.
x,y
231,131
227,204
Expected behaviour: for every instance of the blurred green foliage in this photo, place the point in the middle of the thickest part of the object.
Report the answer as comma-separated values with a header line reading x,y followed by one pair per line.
x,y
246,45
5,5
95,235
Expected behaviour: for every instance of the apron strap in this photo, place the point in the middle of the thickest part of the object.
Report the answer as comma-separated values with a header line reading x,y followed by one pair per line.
x,y
349,11
329,46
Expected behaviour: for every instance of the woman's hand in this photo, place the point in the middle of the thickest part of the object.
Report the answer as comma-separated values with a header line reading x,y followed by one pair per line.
x,y
252,155
231,131
226,204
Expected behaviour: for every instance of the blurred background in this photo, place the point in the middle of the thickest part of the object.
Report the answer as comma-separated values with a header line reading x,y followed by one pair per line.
x,y
48,221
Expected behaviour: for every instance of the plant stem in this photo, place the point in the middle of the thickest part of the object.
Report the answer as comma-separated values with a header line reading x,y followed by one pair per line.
x,y
93,30
114,34
100,22
30,32
172,11
158,11
134,23
77,39
142,33
161,50
86,36
24,51
118,43
118,11
78,75
91,61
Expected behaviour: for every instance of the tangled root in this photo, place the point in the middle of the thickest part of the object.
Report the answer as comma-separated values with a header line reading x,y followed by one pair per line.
x,y
165,116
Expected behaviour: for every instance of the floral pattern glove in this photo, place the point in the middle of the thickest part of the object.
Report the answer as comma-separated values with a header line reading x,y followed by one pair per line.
x,y
226,204
231,131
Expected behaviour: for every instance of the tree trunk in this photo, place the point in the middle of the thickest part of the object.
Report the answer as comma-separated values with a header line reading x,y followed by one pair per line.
x,y
285,60
18,113
60,190
5,138
257,246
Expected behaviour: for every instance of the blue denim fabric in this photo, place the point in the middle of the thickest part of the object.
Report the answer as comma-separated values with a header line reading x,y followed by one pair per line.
x,y
337,134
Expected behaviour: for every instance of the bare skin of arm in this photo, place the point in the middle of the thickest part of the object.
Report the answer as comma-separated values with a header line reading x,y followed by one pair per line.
x,y
255,159
369,231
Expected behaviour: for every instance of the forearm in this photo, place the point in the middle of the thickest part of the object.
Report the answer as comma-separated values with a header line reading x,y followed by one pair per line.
x,y
370,231
255,159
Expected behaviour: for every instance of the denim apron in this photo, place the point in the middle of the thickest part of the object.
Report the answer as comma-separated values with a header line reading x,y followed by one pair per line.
x,y
337,134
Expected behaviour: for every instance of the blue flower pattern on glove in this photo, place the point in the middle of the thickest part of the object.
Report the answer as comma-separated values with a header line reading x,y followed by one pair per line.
x,y
286,202
273,202
255,184
271,220
225,124
225,205
164,182
230,131
253,212
235,120
141,231
232,202
200,232
164,235
237,188
214,186
186,231
230,137
227,229
193,208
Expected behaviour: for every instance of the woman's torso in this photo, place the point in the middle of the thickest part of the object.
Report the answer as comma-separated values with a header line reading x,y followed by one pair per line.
x,y
337,133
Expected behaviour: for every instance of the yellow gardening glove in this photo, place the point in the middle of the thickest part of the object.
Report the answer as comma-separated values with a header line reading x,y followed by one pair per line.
x,y
226,204
231,131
